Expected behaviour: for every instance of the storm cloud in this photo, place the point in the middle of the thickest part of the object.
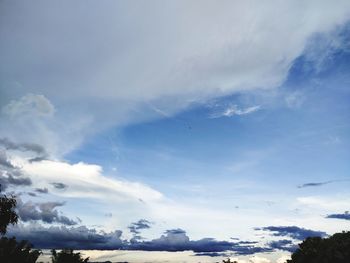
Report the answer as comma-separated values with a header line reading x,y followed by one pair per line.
x,y
46,212
62,237
86,238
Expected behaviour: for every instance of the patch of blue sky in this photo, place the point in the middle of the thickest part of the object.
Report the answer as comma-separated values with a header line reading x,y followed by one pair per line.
x,y
299,133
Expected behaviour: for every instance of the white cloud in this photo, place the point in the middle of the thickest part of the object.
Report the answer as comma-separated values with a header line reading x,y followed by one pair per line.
x,y
257,259
102,71
325,203
87,181
283,259
235,110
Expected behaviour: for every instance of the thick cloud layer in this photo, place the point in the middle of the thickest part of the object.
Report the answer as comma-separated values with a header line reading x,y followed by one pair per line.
x,y
63,237
172,240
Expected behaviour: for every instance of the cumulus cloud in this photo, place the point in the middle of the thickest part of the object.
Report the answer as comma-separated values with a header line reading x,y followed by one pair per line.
x,y
294,232
184,57
46,212
344,216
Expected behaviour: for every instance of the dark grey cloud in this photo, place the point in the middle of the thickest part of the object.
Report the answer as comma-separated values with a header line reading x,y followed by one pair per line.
x,y
213,254
172,240
37,149
316,184
7,180
18,180
344,216
177,240
46,212
37,159
11,174
72,237
24,147
60,186
139,225
4,161
284,244
85,238
41,190
293,232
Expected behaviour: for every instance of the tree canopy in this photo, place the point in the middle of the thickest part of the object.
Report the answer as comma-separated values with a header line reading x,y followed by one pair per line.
x,y
7,213
67,256
334,249
13,251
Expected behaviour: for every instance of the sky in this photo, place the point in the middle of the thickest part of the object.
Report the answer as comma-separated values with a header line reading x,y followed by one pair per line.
x,y
179,131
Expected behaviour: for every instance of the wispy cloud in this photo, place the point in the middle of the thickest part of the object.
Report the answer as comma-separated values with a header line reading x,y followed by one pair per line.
x,y
59,186
235,110
172,69
316,184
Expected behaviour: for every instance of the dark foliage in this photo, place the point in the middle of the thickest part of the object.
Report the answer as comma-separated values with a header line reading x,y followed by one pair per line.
x,y
12,251
335,249
7,213
67,256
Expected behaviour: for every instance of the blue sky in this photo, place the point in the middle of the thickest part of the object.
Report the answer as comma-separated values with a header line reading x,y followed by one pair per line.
x,y
152,126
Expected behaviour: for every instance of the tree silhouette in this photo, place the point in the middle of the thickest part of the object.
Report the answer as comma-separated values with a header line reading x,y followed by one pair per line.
x,y
228,260
335,249
67,256
7,213
12,251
